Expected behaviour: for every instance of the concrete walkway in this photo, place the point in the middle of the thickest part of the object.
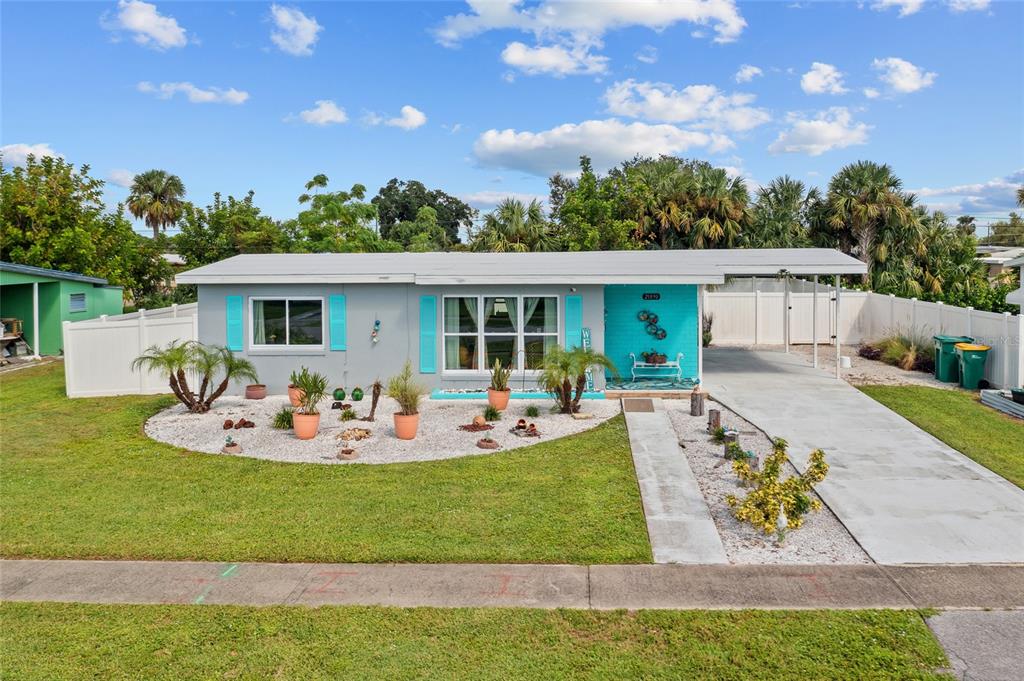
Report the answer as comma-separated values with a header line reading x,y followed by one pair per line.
x,y
903,494
527,586
678,521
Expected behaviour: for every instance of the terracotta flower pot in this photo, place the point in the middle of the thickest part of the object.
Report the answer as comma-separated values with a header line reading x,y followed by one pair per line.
x,y
305,425
405,426
498,398
295,395
233,448
256,391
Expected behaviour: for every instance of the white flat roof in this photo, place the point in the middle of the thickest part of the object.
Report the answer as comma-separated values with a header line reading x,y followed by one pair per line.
x,y
590,267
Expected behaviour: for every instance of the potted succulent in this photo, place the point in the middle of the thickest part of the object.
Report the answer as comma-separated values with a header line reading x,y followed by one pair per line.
x,y
293,388
313,388
255,391
404,389
499,392
230,446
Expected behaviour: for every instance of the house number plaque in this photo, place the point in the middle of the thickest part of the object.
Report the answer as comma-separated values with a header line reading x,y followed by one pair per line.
x,y
652,296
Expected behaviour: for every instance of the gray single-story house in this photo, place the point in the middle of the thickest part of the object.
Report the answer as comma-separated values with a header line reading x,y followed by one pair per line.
x,y
357,317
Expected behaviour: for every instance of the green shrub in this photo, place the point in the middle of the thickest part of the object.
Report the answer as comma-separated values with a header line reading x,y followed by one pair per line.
x,y
532,411
405,390
283,418
907,349
491,413
313,386
348,414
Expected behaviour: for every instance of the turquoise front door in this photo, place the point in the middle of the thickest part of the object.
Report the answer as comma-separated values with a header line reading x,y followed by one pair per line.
x,y
675,307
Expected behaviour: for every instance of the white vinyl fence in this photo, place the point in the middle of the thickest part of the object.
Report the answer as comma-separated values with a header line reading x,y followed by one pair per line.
x,y
98,353
745,317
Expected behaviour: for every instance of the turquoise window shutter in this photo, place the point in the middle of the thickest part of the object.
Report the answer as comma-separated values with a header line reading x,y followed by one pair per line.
x,y
428,335
573,322
337,314
233,315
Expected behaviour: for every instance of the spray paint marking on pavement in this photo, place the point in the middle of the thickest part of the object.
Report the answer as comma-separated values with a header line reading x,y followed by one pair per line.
x,y
503,590
209,587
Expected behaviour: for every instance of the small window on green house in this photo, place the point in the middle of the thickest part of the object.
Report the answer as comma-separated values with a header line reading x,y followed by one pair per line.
x,y
77,303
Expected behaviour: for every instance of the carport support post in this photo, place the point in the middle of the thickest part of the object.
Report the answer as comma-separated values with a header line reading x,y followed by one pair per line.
x,y
814,321
785,311
839,343
35,319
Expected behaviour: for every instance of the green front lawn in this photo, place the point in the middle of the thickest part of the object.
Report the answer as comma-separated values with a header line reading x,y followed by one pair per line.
x,y
81,480
957,418
58,641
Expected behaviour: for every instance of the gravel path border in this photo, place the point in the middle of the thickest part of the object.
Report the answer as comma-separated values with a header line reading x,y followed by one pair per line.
x,y
821,540
438,438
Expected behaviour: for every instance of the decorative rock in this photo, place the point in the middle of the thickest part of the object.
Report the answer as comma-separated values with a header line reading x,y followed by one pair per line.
x,y
228,424
479,420
347,454
580,416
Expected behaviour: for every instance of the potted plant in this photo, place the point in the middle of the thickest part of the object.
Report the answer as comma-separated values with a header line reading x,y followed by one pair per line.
x,y
255,391
499,392
230,446
404,389
293,388
313,388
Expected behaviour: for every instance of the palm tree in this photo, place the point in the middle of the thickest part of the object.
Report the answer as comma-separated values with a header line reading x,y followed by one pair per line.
x,y
515,227
719,208
1020,197
863,197
780,216
562,370
156,197
173,360
178,359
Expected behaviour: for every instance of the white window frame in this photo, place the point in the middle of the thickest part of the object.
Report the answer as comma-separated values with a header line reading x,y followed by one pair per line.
x,y
287,330
85,303
481,335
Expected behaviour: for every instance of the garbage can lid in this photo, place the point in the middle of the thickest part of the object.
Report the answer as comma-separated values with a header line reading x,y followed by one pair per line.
x,y
954,339
971,346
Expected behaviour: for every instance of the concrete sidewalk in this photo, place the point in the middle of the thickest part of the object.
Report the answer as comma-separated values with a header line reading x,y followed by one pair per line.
x,y
679,523
905,496
528,586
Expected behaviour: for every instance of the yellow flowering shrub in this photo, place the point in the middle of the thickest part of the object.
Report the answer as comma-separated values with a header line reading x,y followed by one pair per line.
x,y
760,507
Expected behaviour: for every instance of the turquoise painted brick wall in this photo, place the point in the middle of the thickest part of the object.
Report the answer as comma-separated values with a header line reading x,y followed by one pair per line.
x,y
677,314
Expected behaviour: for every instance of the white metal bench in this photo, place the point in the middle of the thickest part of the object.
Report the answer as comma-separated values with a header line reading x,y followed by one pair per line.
x,y
676,366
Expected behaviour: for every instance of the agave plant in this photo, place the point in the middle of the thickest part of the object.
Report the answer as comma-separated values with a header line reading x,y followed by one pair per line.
x,y
178,359
563,370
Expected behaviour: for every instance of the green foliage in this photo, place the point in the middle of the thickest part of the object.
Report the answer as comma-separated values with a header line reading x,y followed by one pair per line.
x,y
736,453
179,359
532,411
348,414
587,213
500,375
401,202
406,390
1008,232
53,216
718,435
780,215
336,222
491,413
707,320
762,505
157,197
563,370
283,418
421,235
514,227
225,229
907,348
313,387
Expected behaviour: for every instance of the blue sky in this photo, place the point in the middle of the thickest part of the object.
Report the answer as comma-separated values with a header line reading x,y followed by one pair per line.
x,y
486,99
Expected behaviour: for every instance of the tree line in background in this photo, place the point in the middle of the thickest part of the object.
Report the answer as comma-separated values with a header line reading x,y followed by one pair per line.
x,y
53,216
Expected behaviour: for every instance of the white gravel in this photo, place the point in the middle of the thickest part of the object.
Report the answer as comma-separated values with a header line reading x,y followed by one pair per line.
x,y
822,538
438,437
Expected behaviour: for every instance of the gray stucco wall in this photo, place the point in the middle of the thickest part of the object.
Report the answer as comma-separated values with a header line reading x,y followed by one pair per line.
x,y
397,306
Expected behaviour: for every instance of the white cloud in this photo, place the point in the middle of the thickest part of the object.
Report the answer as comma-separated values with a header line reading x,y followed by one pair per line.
x,y
121,177
17,154
295,33
196,95
968,5
553,60
489,198
589,19
648,54
410,118
703,105
607,142
998,195
872,93
833,128
453,129
326,112
901,76
748,73
906,7
147,26
822,79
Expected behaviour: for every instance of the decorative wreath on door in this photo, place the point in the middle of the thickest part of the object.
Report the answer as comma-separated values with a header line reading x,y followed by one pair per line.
x,y
650,321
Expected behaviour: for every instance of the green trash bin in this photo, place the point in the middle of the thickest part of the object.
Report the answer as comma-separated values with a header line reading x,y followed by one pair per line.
x,y
971,359
947,367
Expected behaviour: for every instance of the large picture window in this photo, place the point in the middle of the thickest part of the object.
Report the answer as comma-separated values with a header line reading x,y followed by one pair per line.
x,y
518,330
287,322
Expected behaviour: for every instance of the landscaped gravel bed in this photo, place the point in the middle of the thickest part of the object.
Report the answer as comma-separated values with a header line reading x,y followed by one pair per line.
x,y
822,539
438,437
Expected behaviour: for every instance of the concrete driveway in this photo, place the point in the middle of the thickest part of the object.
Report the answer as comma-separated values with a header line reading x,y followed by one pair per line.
x,y
904,495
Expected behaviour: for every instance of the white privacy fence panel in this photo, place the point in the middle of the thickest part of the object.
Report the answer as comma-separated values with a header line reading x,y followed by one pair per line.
x,y
758,318
98,353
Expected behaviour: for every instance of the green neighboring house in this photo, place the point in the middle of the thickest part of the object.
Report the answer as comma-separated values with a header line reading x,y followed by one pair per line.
x,y
42,299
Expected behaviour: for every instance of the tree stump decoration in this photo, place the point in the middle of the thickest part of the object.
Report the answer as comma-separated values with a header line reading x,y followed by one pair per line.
x,y
697,402
714,420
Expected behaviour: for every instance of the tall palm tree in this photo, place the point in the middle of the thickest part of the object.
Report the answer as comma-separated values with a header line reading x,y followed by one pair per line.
x,y
1020,197
719,208
864,197
156,197
514,227
780,216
